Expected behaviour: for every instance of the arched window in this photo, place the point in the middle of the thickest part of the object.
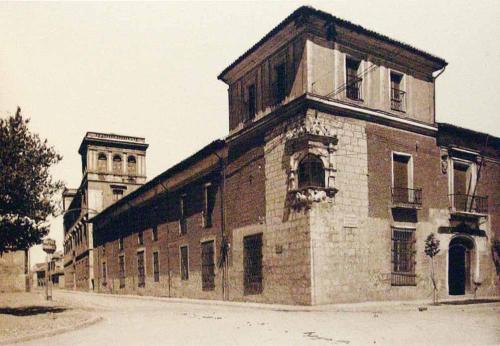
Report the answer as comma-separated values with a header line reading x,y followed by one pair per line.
x,y
102,162
117,164
131,165
311,172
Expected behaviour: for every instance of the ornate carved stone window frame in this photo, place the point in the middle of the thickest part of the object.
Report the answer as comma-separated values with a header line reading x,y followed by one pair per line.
x,y
314,139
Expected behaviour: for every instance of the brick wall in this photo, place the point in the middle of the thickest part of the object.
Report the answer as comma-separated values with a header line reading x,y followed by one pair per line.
x,y
286,244
165,214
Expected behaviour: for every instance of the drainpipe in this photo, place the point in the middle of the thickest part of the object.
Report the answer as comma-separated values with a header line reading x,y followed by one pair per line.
x,y
434,90
168,245
223,225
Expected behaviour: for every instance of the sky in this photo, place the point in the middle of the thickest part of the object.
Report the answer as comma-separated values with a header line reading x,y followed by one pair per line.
x,y
150,69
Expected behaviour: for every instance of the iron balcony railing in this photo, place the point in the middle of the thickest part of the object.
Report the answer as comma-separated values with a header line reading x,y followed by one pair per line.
x,y
469,203
406,197
353,88
398,99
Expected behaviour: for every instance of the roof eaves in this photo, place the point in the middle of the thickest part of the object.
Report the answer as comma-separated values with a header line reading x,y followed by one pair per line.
x,y
213,146
310,10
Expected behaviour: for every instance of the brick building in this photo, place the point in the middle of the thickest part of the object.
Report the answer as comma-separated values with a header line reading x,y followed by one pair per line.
x,y
112,167
333,174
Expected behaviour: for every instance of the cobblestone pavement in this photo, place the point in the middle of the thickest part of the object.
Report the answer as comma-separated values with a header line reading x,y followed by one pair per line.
x,y
130,321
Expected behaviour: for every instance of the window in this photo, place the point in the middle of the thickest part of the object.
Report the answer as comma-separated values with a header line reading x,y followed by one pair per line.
x,y
120,243
397,94
184,263
141,277
131,165
353,82
252,262
463,188
121,268
117,194
102,162
280,84
402,180
156,266
311,172
209,193
154,233
117,164
140,238
207,266
252,100
104,274
182,218
403,257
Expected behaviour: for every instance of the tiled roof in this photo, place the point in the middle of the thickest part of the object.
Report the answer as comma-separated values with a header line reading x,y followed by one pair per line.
x,y
307,10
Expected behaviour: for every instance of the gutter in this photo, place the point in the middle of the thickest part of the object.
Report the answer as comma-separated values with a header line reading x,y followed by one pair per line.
x,y
434,90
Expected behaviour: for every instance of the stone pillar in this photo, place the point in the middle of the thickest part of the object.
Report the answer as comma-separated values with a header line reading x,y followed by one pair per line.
x,y
124,164
110,161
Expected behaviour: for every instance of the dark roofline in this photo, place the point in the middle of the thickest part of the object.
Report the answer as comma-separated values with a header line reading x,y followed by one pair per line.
x,y
121,143
308,10
208,149
448,126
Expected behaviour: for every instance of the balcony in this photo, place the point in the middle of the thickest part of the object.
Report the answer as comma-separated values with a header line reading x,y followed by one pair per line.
x,y
398,100
468,204
353,89
403,197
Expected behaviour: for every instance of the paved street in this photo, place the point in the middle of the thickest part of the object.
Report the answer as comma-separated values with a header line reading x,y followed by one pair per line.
x,y
129,321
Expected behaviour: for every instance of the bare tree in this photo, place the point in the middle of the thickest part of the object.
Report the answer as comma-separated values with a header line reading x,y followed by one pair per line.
x,y
431,250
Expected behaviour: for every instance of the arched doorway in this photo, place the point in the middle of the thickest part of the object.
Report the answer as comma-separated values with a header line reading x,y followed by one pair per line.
x,y
460,260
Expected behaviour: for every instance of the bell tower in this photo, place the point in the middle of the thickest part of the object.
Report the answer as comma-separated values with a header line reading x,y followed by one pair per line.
x,y
112,166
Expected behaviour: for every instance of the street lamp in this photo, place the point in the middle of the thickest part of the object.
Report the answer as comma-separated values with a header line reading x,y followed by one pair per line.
x,y
49,246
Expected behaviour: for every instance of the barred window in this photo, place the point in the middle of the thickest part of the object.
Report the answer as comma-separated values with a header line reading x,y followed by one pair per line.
x,y
252,261
121,265
140,238
403,257
184,263
311,172
141,282
207,266
156,266
120,243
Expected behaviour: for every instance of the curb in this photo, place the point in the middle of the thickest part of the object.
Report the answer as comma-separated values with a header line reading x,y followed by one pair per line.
x,y
84,324
347,307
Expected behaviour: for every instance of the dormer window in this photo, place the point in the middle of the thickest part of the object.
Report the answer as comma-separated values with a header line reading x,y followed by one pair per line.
x,y
102,162
117,164
311,172
131,165
397,93
353,81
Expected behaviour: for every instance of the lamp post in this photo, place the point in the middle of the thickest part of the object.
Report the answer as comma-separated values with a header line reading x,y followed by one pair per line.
x,y
49,246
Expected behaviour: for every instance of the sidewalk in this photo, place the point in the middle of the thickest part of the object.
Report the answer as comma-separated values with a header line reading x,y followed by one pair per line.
x,y
377,306
28,316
